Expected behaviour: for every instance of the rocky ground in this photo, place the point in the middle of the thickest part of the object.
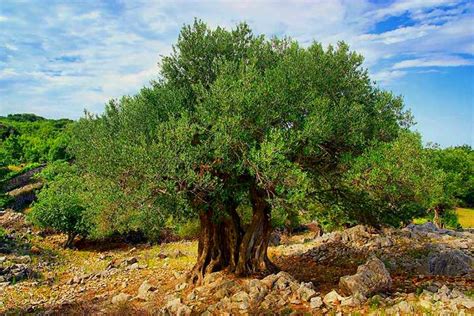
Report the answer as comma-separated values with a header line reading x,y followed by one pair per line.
x,y
415,270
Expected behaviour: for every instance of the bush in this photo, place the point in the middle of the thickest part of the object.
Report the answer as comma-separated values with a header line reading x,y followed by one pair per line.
x,y
60,206
3,235
392,183
449,219
5,200
189,229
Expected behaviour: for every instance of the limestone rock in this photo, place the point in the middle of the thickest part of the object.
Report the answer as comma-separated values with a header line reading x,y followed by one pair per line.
x,y
120,298
332,298
144,290
173,305
305,293
177,254
316,302
22,259
371,277
453,262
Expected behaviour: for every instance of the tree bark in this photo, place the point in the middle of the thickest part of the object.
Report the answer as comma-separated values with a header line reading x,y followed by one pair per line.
x,y
224,246
69,241
218,243
253,256
436,218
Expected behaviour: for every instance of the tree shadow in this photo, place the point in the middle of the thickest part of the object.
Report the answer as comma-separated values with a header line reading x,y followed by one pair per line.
x,y
325,264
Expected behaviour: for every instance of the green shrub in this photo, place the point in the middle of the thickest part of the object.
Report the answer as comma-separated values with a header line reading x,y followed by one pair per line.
x,y
189,229
450,220
3,235
61,207
5,200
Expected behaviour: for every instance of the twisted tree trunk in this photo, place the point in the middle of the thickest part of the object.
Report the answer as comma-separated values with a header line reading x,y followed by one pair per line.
x,y
224,246
253,248
218,244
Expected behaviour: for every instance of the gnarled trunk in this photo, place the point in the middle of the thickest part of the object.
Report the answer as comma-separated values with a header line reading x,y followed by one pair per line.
x,y
253,249
218,244
224,246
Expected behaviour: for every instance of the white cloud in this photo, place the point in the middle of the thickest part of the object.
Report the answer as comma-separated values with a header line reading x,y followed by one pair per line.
x,y
114,51
387,76
400,35
452,61
403,6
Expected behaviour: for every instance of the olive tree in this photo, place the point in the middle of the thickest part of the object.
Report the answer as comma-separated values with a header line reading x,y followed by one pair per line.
x,y
392,183
239,119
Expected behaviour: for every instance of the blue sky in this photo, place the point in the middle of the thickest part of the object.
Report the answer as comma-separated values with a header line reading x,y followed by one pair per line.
x,y
58,58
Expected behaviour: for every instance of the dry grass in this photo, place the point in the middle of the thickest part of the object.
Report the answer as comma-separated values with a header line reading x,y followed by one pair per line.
x,y
69,263
15,168
465,217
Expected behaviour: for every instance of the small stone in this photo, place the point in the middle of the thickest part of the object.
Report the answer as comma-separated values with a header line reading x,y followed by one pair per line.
x,y
183,310
35,250
370,278
173,305
120,298
181,286
240,297
452,262
405,307
432,288
425,304
144,290
131,261
177,254
22,259
305,293
332,298
316,302
134,266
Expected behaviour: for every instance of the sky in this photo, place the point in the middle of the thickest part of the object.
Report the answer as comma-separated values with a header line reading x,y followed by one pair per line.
x,y
58,58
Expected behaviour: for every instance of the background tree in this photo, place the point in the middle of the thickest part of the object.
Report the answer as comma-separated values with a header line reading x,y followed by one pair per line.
x,y
27,138
392,183
239,120
457,165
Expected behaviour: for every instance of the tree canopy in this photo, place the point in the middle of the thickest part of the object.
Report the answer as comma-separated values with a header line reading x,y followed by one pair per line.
x,y
238,119
28,138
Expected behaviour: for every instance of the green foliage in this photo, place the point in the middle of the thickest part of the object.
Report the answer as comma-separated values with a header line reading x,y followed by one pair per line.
x,y
449,219
189,229
60,204
3,235
26,138
5,200
458,165
233,111
24,117
393,182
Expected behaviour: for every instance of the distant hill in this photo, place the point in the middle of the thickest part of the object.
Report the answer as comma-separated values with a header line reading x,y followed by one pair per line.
x,y
23,117
28,138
